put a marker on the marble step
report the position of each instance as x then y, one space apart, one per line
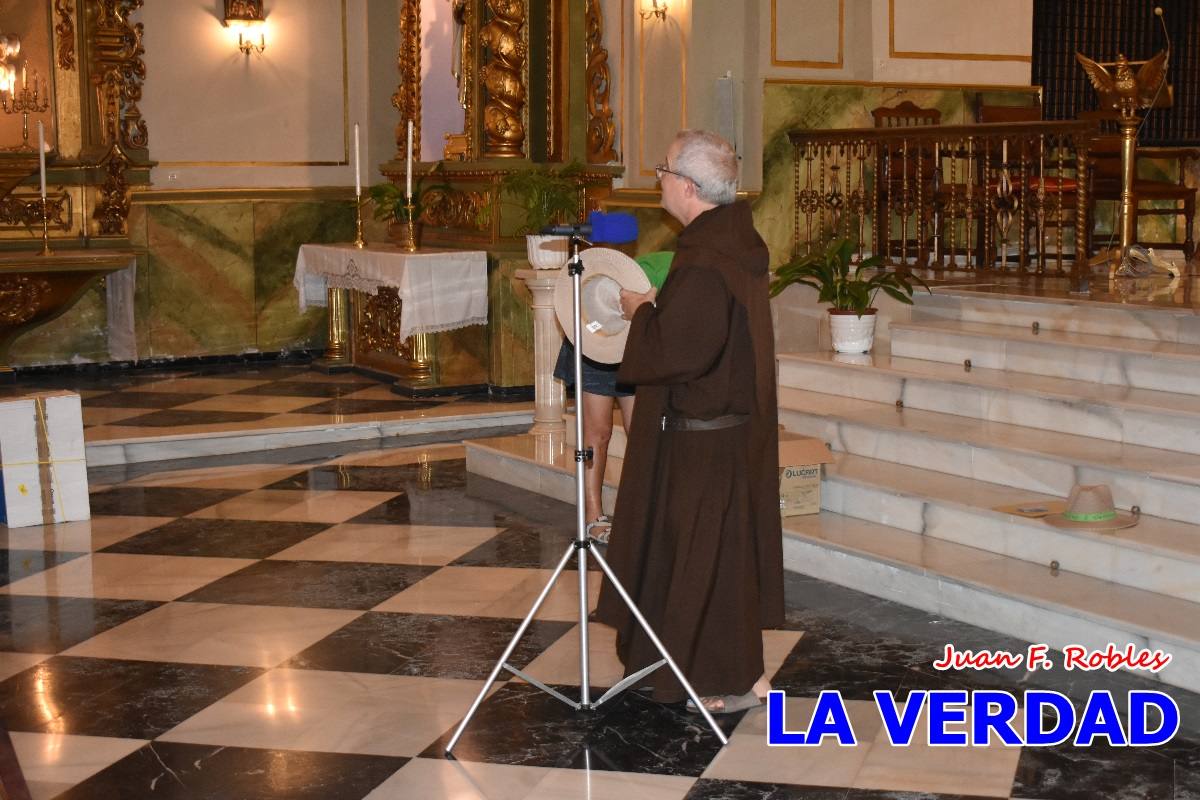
1118 361
1158 555
1063 313
995 592
1165 420
169 447
538 462
1163 483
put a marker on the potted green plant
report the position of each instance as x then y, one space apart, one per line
850 292
391 204
546 196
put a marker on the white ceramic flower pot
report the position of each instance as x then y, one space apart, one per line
851 333
547 252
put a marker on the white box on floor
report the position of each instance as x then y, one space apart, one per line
43 471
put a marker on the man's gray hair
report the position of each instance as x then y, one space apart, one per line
709 162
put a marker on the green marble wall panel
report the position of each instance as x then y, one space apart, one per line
510 323
279 230
200 282
213 278
79 335
139 240
657 230
1162 228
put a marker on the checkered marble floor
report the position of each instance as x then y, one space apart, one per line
134 404
316 628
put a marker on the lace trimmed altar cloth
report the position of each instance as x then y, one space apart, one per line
439 291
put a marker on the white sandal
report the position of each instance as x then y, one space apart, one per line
603 521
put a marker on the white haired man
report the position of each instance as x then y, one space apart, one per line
697 535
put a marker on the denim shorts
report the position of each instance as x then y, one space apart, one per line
598 378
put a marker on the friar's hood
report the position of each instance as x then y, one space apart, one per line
729 230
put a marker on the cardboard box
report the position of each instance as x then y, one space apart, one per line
800 460
43 473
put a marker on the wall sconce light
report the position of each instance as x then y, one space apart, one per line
247 17
657 8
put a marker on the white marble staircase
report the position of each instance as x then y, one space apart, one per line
927 448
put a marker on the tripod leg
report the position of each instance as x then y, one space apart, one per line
633 609
585 697
512 645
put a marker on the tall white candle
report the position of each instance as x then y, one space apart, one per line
1004 150
42 157
357 168
408 172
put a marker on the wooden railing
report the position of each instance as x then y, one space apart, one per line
949 197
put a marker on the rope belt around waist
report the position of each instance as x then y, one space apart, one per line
670 423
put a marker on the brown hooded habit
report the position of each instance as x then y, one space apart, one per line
696 534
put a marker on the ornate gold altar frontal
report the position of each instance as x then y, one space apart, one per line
97 139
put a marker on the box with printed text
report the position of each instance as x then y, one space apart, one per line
800 460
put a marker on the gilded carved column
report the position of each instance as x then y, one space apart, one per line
117 75
65 33
601 131
502 36
407 99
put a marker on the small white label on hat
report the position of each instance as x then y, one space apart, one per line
594 326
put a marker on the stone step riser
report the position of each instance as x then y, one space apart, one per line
1035 542
977 606
1078 417
1105 320
543 480
1156 497
1134 370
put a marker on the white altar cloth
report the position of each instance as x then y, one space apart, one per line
439 291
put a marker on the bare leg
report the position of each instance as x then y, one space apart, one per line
626 404
597 432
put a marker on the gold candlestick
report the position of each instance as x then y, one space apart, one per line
410 234
26 101
359 242
45 228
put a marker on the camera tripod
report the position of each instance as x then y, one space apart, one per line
582 548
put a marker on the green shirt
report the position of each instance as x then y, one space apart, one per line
656 266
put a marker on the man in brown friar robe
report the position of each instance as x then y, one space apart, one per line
696 534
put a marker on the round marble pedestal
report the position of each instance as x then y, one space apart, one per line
548 392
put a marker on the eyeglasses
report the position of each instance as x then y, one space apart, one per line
659 169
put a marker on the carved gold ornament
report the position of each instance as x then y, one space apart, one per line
27 213
20 297
120 72
502 37
1123 89
112 209
407 99
379 324
65 33
455 208
601 130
